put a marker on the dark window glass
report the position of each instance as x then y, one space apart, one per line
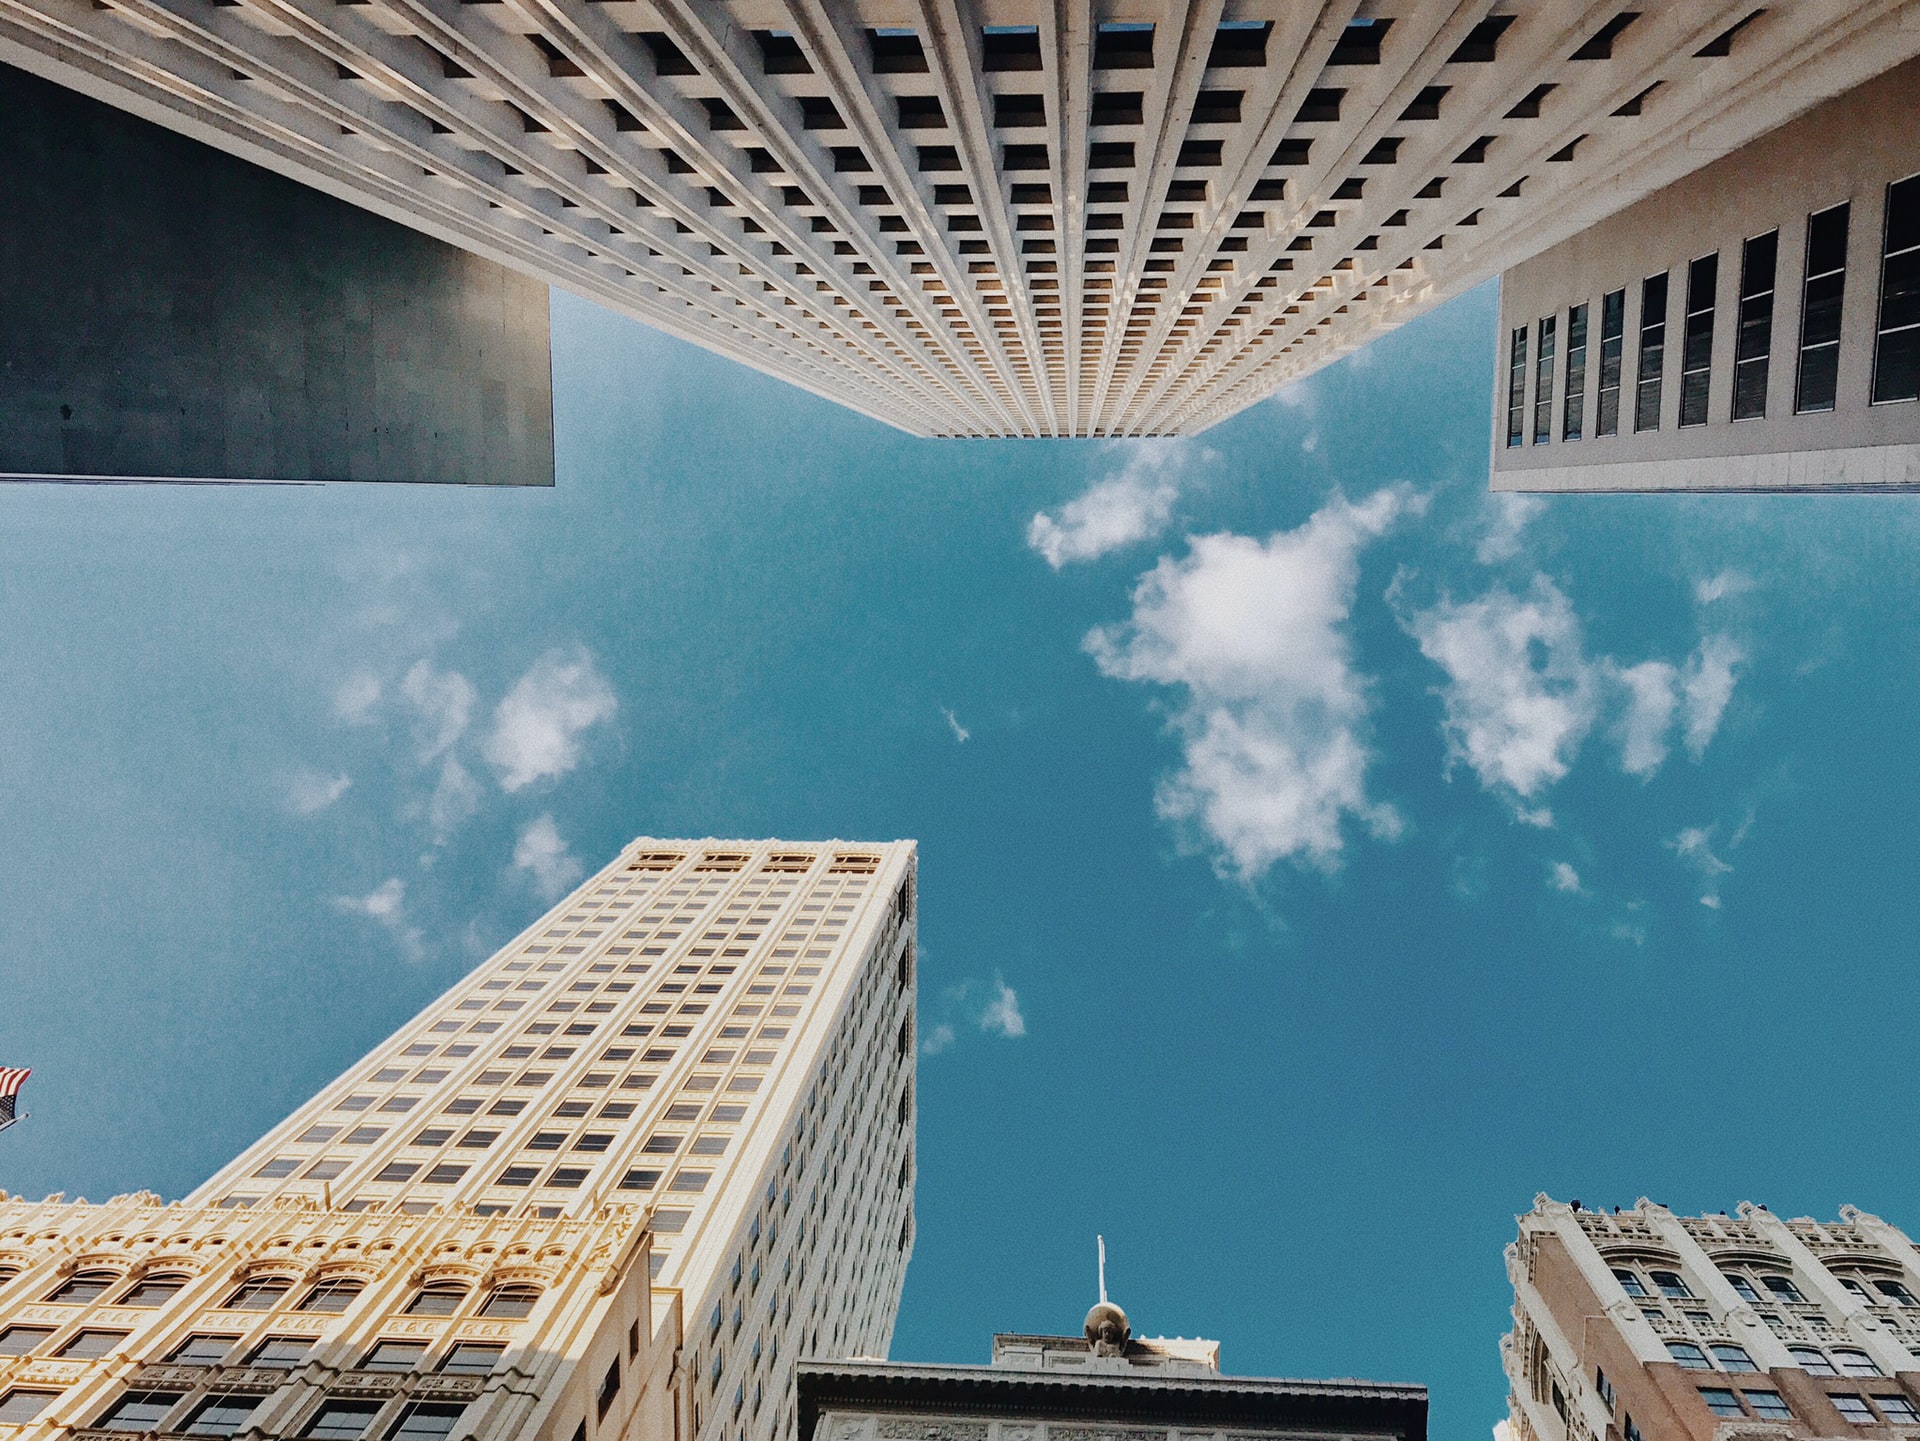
1768 1406
261 1293
1119 45
1573 412
222 1416
1897 1409
22 1340
1689 1355
1646 395
1733 1358
20 1406
139 1411
1812 1360
394 1356
1696 343
280 1351
1782 1287
1517 387
472 1358
510 1302
1755 341
1896 349
425 1421
1543 382
1820 306
332 1297
1630 1283
202 1350
86 1345
1670 1284
343 1420
439 1299
1720 1401
1852 1408
84 1286
1613 330
152 1291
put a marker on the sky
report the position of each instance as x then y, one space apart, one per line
1319 855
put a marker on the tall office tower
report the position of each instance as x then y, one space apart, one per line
612 1184
1103 1385
995 218
1642 1325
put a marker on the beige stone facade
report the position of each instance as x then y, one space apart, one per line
612 1184
1642 1325
986 217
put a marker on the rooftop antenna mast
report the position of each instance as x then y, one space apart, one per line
1101 1241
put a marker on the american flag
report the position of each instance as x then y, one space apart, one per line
11 1079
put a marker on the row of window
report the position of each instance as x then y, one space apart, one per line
1749 1285
229 1414
468 1358
1771 1406
1896 357
264 1293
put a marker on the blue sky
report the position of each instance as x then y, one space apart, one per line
1318 856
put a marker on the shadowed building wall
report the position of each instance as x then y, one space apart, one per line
168 311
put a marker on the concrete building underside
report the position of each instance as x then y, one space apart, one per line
996 218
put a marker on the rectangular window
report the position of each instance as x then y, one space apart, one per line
1543 382
1653 352
394 1356
1820 306
1897 1409
425 1421
281 1351
1853 1408
1755 340
343 1420
1517 388
1896 348
222 1416
201 1351
21 1340
18 1407
1696 341
1721 1401
1573 412
1613 330
472 1358
141 1411
1768 1406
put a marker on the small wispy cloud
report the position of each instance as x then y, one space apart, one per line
386 905
310 792
355 697
441 703
1563 877
1720 587
538 727
938 1038
455 800
992 1009
1706 688
1131 505
1002 1014
960 733
1694 846
1511 515
544 856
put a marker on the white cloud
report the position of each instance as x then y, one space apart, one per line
356 696
1002 1015
938 1039
386 904
1520 694
442 703
545 858
1706 689
1563 877
1694 846
537 728
1719 587
1511 515
309 792
1131 505
1652 700
455 799
960 733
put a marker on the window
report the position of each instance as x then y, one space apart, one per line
1122 46
1517 387
1696 340
86 1345
394 1356
1768 1406
280 1351
1743 1286
1573 412
138 1411
259 1293
1896 350
1812 1360
1721 1401
609 1389
437 1298
278 1167
472 1358
1732 1358
1783 1288
1897 1409
343 1420
21 1406
425 1421
1896 1293
510 1302
1755 338
1613 326
1630 1431
333 1296
1543 383
221 1415
200 1350
1854 1363
1630 1282
1820 306
1646 416
1852 1408
1605 1389
1690 1356
22 1340
84 1286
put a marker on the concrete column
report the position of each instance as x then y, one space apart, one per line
1769 1352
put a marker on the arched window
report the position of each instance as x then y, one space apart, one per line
1812 1360
1854 1363
1782 1288
1630 1282
438 1298
1689 1355
1733 1358
1670 1284
510 1302
84 1286
332 1296
1743 1284
1895 1292
259 1293
152 1290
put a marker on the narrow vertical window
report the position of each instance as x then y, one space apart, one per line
1896 348
1573 412
1696 340
1820 310
1613 332
1755 340
1543 382
1517 388
1653 352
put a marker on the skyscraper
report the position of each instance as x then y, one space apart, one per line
1120 217
613 1183
1642 1325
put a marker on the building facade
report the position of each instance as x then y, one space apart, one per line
1103 1385
986 217
612 1184
1642 1325
1754 326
